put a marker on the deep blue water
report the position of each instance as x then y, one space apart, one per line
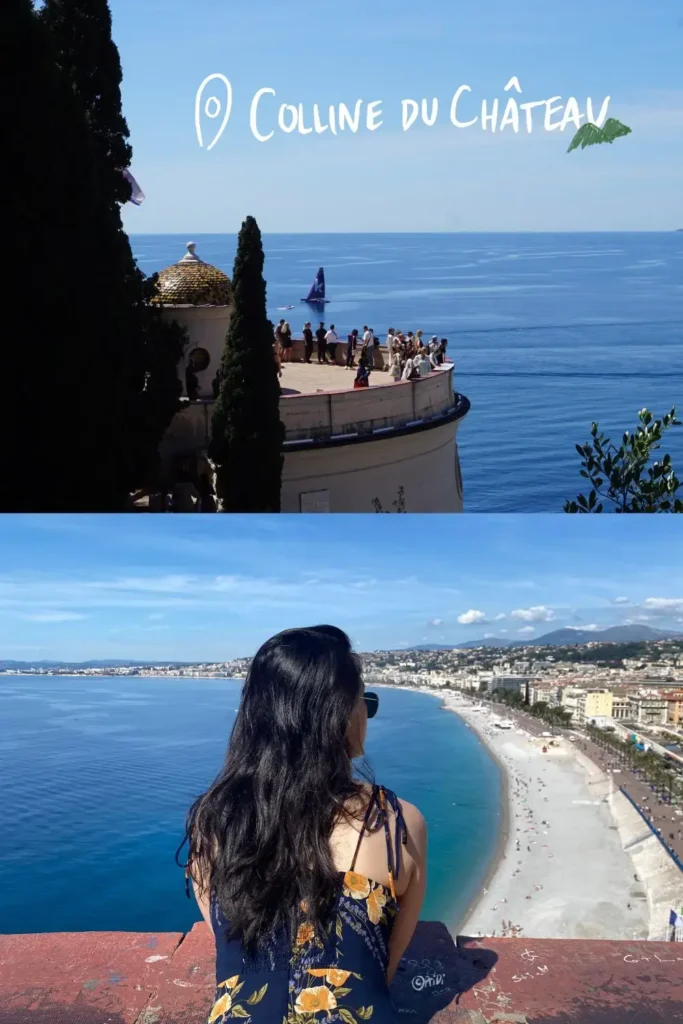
548 332
97 774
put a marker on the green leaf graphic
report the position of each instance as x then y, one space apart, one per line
591 135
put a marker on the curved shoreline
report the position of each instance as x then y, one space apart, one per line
571 860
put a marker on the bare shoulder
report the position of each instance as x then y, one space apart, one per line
414 819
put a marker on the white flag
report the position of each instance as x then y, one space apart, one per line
137 195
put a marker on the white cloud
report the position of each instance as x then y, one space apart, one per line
470 617
435 622
498 618
539 613
620 600
664 605
526 629
489 636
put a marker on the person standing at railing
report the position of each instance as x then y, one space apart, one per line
331 342
308 342
320 335
351 346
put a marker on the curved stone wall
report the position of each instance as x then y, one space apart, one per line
335 413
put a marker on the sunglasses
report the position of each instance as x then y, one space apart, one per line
371 703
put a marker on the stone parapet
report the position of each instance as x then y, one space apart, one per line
168 978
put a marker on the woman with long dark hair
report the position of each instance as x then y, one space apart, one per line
310 878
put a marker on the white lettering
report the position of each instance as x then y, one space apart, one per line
294 114
372 123
345 116
549 111
511 115
602 116
454 109
492 117
253 114
528 107
408 115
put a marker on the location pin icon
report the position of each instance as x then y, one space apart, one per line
212 107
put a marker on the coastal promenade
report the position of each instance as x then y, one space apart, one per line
574 859
168 978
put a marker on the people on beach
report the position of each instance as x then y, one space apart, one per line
293 860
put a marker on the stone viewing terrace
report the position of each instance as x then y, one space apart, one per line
168 978
320 403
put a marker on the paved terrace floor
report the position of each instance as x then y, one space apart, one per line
307 378
167 978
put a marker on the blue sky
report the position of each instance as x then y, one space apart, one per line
428 179
211 587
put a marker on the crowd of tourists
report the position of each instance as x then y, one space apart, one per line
410 355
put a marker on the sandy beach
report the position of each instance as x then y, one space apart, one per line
573 860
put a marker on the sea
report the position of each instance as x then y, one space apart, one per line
548 332
98 773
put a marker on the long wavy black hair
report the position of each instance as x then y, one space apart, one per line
259 837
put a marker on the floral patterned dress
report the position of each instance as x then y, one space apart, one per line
341 980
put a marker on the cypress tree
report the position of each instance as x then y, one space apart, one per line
137 352
247 433
50 277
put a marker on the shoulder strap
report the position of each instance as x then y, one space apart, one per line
386 797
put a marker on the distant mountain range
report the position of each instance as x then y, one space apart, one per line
565 638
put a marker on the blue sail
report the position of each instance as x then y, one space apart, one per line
317 292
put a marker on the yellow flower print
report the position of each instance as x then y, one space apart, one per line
336 977
230 983
331 974
304 934
223 1005
356 885
376 902
311 1000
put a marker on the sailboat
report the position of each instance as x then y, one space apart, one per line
316 296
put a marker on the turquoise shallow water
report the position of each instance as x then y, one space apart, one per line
97 774
548 332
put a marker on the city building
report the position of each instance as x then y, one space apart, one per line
674 704
648 709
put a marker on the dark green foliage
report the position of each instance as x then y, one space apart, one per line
52 280
653 767
622 476
590 135
133 389
247 433
87 55
553 715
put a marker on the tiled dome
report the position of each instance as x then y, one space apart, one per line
191 282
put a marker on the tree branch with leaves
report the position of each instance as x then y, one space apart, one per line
623 477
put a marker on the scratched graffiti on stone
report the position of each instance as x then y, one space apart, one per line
630 959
